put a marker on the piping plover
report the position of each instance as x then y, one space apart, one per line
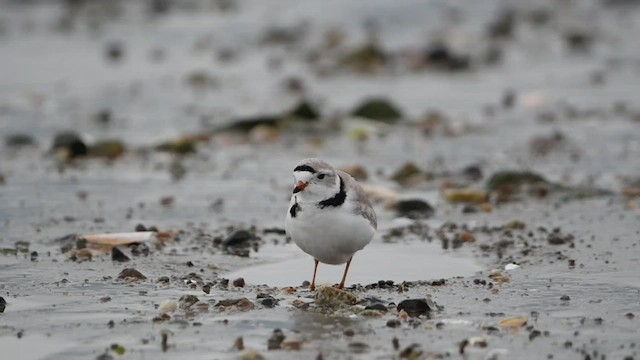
329 216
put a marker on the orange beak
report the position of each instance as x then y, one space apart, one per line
300 186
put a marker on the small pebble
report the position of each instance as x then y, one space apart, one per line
393 323
239 344
131 273
239 282
414 307
396 343
275 340
268 302
118 255
377 306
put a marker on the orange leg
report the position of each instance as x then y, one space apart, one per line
344 277
313 281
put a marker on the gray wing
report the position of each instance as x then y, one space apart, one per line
359 197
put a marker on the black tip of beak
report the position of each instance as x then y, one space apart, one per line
296 190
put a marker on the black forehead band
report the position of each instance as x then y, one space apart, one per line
305 168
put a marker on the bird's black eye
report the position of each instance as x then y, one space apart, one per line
321 176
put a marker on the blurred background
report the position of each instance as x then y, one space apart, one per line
165 99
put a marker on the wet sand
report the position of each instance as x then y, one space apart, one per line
539 269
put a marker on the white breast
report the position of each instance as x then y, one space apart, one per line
332 234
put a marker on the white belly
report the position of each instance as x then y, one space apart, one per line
330 235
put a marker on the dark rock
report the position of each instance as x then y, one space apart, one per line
557 238
19 140
469 209
34 256
138 249
415 307
414 209
3 304
378 109
274 230
239 282
275 340
269 302
534 334
412 351
164 280
140 227
81 243
472 172
206 288
131 273
305 111
377 306
240 238
627 315
117 255
239 243
393 323
70 144
565 298
66 242
187 301
511 178
440 56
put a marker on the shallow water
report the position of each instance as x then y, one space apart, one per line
377 261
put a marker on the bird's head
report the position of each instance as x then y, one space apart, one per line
314 181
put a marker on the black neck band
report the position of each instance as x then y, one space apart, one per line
337 200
